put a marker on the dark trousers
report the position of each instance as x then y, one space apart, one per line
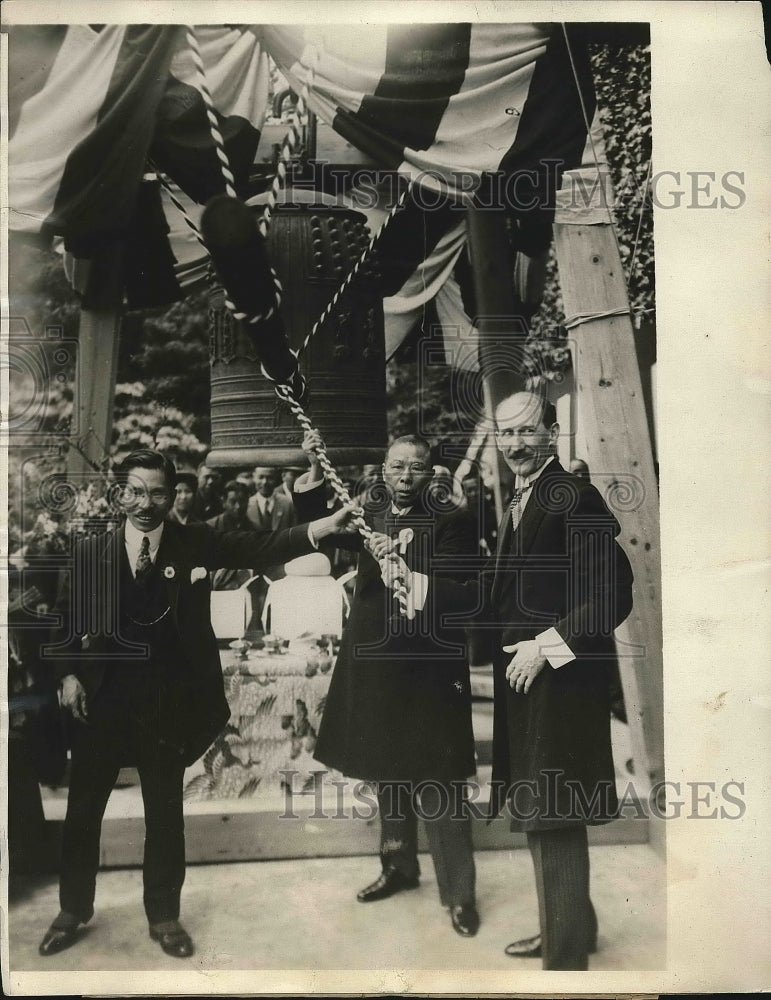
567 917
122 728
448 829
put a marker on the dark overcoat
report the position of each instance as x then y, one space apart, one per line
399 702
89 640
562 567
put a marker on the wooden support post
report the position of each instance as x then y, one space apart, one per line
611 412
98 339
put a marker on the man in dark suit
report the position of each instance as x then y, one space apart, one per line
558 586
398 711
268 510
141 675
269 507
235 500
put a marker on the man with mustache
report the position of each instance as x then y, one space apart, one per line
141 676
557 587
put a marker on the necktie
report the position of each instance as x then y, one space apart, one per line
516 506
144 562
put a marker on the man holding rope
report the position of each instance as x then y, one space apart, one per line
558 586
141 677
398 711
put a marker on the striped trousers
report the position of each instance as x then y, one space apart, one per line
567 917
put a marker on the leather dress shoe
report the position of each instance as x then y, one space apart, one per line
173 938
390 882
526 948
56 939
531 948
465 919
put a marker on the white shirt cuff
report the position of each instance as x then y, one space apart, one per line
554 648
311 536
419 591
302 483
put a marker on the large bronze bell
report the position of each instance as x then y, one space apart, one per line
312 248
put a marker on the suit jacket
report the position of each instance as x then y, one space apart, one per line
89 638
281 516
562 567
399 703
173 516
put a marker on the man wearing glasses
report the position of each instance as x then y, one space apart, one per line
398 710
141 676
556 589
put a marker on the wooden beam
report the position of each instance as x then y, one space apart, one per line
614 426
98 340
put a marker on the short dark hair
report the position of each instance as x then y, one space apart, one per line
146 458
234 486
414 440
189 479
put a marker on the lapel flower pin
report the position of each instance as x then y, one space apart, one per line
169 572
198 573
405 537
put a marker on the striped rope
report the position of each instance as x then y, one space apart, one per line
211 113
166 182
358 265
291 139
640 219
227 176
285 392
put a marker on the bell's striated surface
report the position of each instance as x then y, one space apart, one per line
312 248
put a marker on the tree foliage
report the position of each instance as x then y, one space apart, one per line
168 352
622 80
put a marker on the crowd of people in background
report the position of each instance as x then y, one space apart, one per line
251 509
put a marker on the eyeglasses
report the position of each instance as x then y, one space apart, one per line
416 468
134 495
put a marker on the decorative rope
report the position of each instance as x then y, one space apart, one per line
166 182
358 265
292 137
640 218
580 318
285 392
211 113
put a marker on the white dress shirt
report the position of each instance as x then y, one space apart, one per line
134 542
264 503
553 646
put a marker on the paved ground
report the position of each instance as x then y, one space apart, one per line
302 914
